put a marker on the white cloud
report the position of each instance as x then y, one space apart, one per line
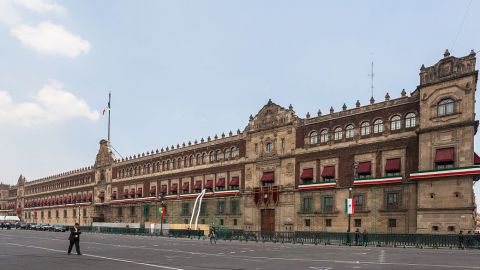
52 104
49 38
8 13
41 6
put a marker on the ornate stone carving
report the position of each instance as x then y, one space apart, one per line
447 68
289 169
271 116
105 156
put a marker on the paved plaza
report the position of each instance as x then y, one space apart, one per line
47 250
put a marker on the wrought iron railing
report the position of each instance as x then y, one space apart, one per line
312 237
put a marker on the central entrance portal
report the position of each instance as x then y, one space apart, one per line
268 220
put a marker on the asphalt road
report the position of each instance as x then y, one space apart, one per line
47 250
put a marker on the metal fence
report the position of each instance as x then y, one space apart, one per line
315 238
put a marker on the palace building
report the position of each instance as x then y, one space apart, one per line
408 163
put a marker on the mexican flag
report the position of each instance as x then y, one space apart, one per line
349 206
107 108
161 211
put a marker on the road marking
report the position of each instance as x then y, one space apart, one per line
241 257
381 257
302 259
101 257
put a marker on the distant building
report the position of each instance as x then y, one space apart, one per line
408 163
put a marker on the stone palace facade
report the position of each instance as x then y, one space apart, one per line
408 163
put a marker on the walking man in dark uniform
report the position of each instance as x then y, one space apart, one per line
74 239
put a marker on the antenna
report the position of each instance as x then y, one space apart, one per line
371 75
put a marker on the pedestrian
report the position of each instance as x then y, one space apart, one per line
357 236
365 237
213 236
460 240
74 239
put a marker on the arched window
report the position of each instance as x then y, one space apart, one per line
269 147
365 128
349 132
164 165
313 137
174 166
179 163
410 120
228 153
395 123
234 152
218 155
378 126
199 159
338 134
445 107
169 164
324 136
190 163
185 162
212 156
204 158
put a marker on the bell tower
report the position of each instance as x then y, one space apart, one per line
103 177
446 132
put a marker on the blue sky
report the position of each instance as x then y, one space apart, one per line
183 70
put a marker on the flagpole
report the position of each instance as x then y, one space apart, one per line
109 99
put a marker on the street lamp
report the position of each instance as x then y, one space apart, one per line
354 173
162 204
349 215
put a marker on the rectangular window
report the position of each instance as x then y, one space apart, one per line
146 212
393 167
132 210
220 207
57 214
364 169
444 158
84 212
74 213
307 222
358 222
328 222
307 205
393 200
49 214
234 207
119 211
203 209
41 214
392 223
358 202
185 208
65 215
234 222
221 222
327 204
328 173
